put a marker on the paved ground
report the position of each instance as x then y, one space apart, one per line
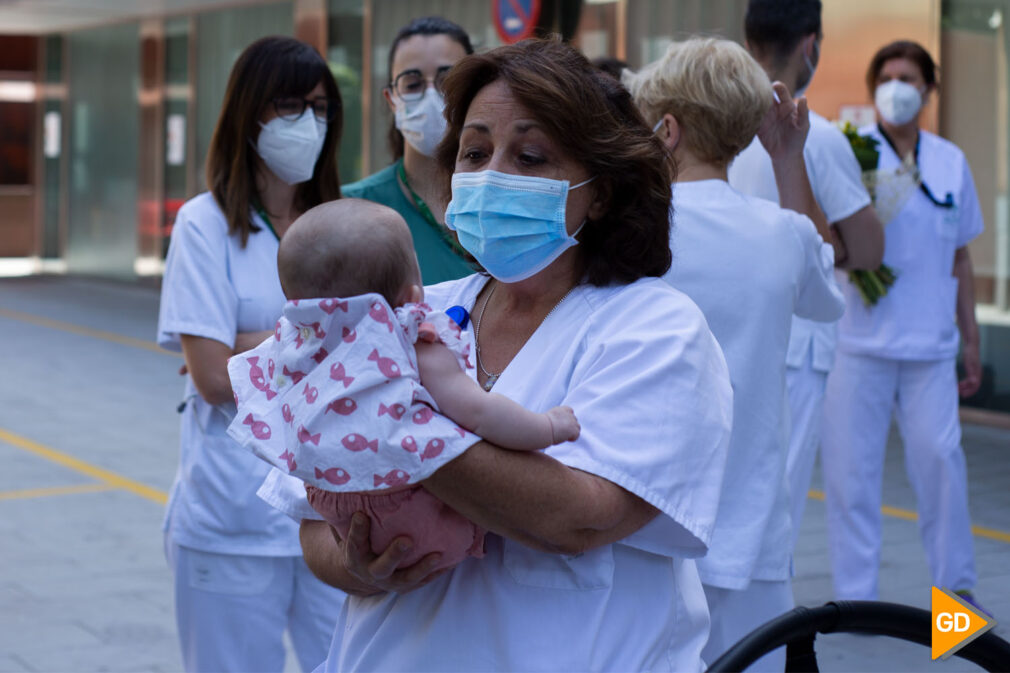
88 444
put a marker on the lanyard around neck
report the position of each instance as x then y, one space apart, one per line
263 215
426 213
948 201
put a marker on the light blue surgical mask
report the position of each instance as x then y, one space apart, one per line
514 225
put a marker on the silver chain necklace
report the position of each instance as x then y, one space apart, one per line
493 378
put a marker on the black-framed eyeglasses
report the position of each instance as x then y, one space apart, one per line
409 85
290 108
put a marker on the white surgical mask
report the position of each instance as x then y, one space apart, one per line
290 148
812 67
421 122
897 102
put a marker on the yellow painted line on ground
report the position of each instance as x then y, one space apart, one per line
107 477
908 515
55 490
84 331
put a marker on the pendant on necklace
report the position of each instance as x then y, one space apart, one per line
489 383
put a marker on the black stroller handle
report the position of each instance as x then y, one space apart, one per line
798 628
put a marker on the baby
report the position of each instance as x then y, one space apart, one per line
345 394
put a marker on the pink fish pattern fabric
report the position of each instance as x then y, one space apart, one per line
395 410
259 429
256 378
338 373
392 478
342 407
335 475
433 449
328 306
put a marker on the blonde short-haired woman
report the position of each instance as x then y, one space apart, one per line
717 94
749 265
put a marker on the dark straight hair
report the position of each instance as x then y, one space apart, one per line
425 25
269 68
775 27
913 51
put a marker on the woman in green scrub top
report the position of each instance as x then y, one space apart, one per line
421 55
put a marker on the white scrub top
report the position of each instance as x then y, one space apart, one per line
750 265
649 385
214 288
915 320
836 180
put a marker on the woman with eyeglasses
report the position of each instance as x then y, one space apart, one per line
897 357
420 57
240 580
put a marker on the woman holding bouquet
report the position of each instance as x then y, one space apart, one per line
898 356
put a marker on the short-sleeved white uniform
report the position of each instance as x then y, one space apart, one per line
649 385
214 288
750 265
836 180
239 575
898 358
915 319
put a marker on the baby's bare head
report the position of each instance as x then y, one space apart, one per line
345 248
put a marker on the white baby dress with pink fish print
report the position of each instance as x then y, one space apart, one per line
334 397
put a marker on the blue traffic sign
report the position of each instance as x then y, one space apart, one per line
515 19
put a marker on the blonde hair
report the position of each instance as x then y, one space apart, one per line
715 89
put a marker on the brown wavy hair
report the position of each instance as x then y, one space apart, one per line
591 116
269 68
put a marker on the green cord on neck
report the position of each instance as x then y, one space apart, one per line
427 215
263 215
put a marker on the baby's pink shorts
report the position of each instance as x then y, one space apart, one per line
414 512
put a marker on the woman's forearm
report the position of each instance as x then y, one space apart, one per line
246 341
965 274
322 555
207 363
538 501
861 239
796 194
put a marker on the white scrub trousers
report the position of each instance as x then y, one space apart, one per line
805 386
862 392
232 611
737 612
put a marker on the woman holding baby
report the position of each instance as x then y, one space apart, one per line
560 192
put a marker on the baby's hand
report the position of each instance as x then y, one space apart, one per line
564 425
